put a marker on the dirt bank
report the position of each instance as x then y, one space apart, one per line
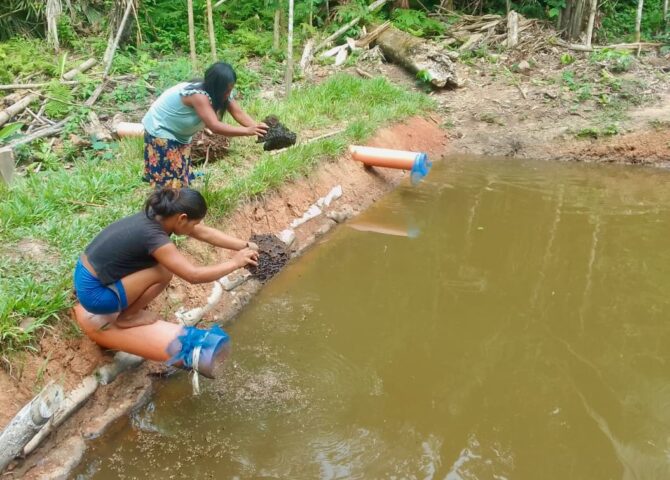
553 111
65 357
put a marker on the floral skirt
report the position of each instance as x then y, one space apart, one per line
167 162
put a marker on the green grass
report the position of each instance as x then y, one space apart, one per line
65 209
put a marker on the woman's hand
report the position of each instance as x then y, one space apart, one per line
245 257
259 129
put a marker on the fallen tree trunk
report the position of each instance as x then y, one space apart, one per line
18 107
371 8
418 55
41 133
81 68
71 403
28 86
28 422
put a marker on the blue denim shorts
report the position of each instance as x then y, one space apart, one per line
96 297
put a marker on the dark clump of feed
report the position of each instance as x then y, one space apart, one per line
272 256
278 135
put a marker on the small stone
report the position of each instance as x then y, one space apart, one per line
26 323
523 66
325 228
287 236
341 215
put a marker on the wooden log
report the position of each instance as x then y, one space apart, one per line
7 165
42 132
341 56
28 86
418 55
373 6
18 107
512 29
80 69
70 404
306 58
617 46
372 36
28 422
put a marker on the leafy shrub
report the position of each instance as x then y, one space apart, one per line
416 22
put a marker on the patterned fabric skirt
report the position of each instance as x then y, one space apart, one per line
166 162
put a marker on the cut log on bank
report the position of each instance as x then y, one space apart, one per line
417 55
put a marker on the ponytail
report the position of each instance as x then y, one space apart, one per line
171 201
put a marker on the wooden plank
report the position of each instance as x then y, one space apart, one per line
7 165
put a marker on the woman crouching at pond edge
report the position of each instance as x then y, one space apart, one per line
182 111
132 260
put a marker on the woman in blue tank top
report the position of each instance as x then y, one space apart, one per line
183 110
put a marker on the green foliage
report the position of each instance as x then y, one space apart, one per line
567 59
21 17
616 61
416 22
554 7
618 20
256 42
60 100
597 132
9 132
22 57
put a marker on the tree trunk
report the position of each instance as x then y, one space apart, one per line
289 53
665 15
28 422
418 55
512 29
592 19
54 9
572 19
638 20
210 29
191 36
277 26
117 38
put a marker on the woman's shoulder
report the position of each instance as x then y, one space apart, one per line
187 89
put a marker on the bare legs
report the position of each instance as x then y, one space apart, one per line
141 288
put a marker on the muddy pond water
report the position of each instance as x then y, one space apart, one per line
502 320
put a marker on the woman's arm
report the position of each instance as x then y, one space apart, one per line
241 116
203 108
177 263
219 239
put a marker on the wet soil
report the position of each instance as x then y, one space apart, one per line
272 256
278 135
209 147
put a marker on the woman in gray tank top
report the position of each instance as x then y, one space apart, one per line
133 260
182 111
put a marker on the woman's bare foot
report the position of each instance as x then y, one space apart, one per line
140 318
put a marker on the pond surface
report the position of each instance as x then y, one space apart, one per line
502 320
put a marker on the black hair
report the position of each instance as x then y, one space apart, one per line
170 201
218 79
